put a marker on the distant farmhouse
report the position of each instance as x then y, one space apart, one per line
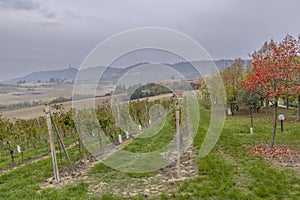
195 83
178 93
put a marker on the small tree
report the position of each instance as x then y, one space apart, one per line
273 69
231 78
251 100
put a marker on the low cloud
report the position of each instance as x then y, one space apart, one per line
49 14
19 5
29 5
70 14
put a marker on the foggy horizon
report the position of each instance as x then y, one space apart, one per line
51 35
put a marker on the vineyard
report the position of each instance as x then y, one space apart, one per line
26 140
155 147
224 172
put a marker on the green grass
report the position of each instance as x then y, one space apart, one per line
228 172
31 153
157 141
23 182
127 159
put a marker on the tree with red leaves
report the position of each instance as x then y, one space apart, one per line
296 78
273 73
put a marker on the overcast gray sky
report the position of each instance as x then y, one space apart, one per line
51 34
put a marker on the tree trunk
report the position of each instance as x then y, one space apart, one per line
274 126
267 106
35 149
231 108
22 154
251 117
12 156
299 107
287 103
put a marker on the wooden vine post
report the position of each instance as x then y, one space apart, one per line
52 146
178 142
62 144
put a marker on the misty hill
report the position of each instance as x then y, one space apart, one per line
45 76
112 74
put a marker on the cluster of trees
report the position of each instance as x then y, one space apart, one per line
231 77
21 82
142 91
55 80
273 74
154 89
60 99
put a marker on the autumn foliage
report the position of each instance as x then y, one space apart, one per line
274 69
279 153
275 73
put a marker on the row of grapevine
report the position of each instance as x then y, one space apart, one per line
23 140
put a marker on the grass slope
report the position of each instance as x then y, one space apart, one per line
228 172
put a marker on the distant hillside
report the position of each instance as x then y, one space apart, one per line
111 74
45 76
188 71
222 64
